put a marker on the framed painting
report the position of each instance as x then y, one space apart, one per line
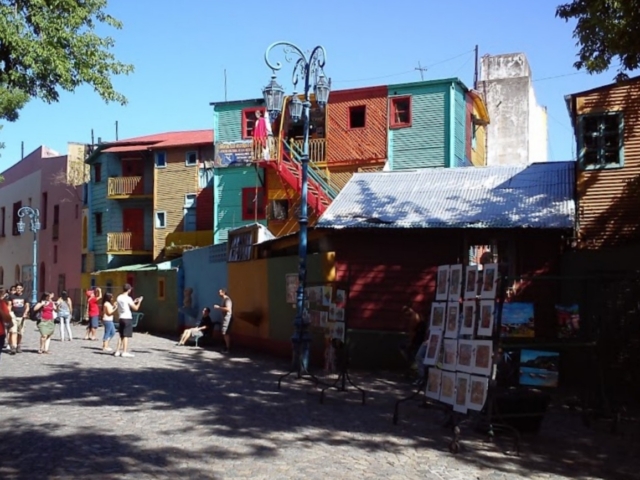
438 310
465 356
450 356
433 383
442 283
455 283
453 320
487 315
447 387
468 317
433 347
462 393
489 281
483 357
539 368
471 282
478 387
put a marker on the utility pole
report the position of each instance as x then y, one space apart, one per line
421 69
475 69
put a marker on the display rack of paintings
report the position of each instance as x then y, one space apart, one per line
442 283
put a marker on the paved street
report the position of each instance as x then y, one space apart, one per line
176 412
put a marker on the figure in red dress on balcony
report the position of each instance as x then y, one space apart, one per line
262 136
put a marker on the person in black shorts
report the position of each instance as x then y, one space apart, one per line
227 316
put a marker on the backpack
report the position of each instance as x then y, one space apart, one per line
35 315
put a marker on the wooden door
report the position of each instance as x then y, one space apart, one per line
134 168
133 222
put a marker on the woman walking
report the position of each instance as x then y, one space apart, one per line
47 309
108 309
65 308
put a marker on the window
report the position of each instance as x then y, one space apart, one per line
190 200
160 159
249 121
279 210
77 211
55 254
85 235
400 112
98 219
56 221
161 219
357 116
601 141
45 208
161 289
253 204
97 173
3 212
191 158
16 206
1 276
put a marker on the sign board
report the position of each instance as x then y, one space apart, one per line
233 154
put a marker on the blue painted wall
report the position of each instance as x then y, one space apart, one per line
205 271
436 137
227 209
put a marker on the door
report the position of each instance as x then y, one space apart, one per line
134 168
133 223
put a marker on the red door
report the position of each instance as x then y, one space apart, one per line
134 168
133 222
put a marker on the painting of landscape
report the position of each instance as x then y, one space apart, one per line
517 320
539 368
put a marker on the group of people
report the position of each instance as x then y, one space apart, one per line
15 310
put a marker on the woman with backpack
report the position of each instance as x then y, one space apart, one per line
46 310
65 308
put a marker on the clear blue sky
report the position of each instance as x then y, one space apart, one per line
180 50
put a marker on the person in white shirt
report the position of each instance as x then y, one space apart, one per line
125 305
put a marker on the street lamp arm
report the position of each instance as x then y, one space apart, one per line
34 213
288 48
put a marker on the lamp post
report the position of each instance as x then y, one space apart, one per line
309 69
34 226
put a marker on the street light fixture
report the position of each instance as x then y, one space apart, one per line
34 226
309 69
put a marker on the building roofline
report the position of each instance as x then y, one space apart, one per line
602 88
237 102
424 83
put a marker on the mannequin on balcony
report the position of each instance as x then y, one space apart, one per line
262 137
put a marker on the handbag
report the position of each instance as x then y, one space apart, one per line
56 320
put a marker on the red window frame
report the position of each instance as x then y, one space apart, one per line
249 118
364 113
248 195
393 110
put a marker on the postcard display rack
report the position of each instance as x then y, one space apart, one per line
460 349
325 309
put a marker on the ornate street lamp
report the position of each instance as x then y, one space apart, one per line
310 70
34 226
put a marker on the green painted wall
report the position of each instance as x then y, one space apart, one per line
160 316
460 125
227 210
227 119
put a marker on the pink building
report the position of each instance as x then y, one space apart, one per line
51 183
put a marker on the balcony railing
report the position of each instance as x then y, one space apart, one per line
264 151
125 187
125 242
317 148
177 243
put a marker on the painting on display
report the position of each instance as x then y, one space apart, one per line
448 387
568 317
468 317
489 281
450 355
324 319
453 318
341 298
487 314
314 296
483 357
339 314
471 282
539 368
337 330
438 311
442 283
455 283
462 392
291 283
433 383
478 387
465 356
433 347
326 296
518 320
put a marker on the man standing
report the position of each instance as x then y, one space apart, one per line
227 310
125 304
19 306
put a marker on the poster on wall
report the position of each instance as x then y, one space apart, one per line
489 281
487 314
462 392
442 283
468 317
291 283
471 282
453 318
455 283
433 383
232 154
477 392
438 310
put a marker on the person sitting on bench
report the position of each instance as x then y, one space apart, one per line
206 324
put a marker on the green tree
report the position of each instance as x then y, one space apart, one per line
607 33
51 45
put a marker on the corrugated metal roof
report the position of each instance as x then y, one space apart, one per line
142 267
539 195
161 140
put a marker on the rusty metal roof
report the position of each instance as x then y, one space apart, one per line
538 195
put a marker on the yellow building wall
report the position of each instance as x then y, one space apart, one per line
248 288
115 279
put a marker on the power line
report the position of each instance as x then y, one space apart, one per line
556 76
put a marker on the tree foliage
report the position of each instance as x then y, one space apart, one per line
607 33
51 45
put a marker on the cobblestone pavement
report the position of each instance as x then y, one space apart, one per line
181 412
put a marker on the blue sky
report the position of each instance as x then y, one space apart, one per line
181 49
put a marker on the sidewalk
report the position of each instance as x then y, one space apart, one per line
181 412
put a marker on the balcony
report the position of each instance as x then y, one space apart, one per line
176 243
126 243
126 187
